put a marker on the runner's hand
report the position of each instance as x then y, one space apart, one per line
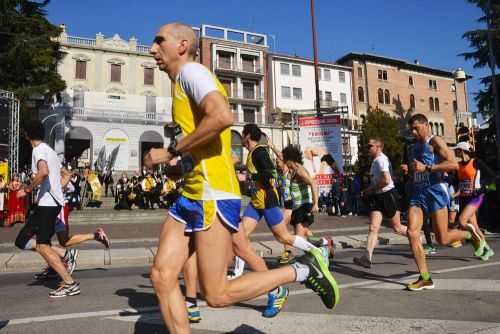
418 166
156 156
315 208
404 168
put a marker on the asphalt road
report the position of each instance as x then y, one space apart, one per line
121 300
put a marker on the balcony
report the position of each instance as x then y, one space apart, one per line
109 115
250 98
224 66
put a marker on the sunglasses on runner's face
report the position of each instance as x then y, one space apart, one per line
371 145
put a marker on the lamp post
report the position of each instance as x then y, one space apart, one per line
459 76
315 51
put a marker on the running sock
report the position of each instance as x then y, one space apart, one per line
468 235
190 302
302 244
426 276
301 271
239 265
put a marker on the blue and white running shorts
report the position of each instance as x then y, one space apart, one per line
430 199
273 216
199 215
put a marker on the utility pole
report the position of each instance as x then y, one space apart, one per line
315 50
489 20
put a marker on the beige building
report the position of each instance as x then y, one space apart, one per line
115 96
403 88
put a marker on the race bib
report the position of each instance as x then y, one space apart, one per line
421 179
466 187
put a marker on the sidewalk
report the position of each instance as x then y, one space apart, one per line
23 261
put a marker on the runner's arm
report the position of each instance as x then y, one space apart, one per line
448 162
383 182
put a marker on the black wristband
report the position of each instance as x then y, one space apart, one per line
171 149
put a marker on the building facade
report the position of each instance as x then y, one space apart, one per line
115 97
293 89
402 89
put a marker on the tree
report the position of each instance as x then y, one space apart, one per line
29 53
380 124
478 41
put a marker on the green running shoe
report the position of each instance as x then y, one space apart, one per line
320 280
488 252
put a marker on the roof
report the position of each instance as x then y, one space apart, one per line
395 62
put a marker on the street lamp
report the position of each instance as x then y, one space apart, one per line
459 76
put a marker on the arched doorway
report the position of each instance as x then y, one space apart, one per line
78 147
116 144
147 141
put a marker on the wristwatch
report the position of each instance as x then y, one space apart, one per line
428 168
172 150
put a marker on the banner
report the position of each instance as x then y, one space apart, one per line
319 136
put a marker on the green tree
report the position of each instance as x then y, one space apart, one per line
28 52
478 41
379 124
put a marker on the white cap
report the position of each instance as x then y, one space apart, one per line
463 145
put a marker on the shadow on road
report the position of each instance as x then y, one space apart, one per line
245 329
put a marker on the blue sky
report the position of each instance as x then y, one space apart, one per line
427 30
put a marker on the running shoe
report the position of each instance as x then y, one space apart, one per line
326 240
70 259
320 280
420 284
275 302
488 252
363 261
456 244
477 242
194 314
47 273
285 257
430 250
100 236
65 290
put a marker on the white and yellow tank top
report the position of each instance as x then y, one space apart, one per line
213 176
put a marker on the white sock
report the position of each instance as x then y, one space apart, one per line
275 291
239 266
301 271
302 244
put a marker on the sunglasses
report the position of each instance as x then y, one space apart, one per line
371 145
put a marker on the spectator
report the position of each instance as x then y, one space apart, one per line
16 206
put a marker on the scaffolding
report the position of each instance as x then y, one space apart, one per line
13 108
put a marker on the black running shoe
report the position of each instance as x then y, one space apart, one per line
65 290
320 280
47 273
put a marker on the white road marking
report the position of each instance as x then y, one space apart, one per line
479 285
246 321
127 312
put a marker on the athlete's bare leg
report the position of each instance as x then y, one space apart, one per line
468 216
242 247
371 241
396 224
415 222
444 235
190 273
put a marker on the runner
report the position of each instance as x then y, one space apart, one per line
209 205
47 169
430 157
472 174
382 199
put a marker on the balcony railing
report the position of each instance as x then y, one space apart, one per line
117 115
143 48
225 65
247 96
81 41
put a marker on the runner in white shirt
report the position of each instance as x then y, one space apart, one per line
382 199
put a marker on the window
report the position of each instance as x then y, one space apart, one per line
431 104
455 106
296 72
297 93
382 75
227 83
380 96
248 90
249 115
341 76
284 69
412 101
285 92
360 72
224 59
433 84
151 105
78 99
410 81
328 96
431 125
361 94
343 98
436 104
81 69
116 73
148 76
387 97
327 76
248 63
442 129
